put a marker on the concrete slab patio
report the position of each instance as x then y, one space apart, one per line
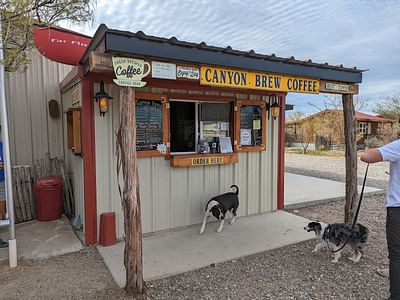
303 190
176 251
40 240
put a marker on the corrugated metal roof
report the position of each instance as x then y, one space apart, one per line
117 41
251 53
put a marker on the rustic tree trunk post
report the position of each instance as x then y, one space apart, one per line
351 156
127 160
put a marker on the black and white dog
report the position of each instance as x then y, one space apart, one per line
219 205
335 235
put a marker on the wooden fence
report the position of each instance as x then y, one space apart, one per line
24 205
23 179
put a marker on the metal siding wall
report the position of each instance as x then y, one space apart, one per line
106 173
52 92
32 131
74 162
19 119
161 201
146 192
174 197
38 109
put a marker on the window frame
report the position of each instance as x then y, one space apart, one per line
198 99
263 145
165 123
363 129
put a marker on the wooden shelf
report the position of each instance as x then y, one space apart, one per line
199 160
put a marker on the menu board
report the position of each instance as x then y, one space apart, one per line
250 122
149 130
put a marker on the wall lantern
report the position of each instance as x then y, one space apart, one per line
102 98
274 108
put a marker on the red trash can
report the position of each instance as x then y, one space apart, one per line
48 193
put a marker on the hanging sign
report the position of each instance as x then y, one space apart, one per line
260 81
130 71
188 73
204 161
337 86
163 70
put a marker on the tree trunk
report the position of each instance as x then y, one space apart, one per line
127 160
351 156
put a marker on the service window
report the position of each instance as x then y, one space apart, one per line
197 127
251 135
151 131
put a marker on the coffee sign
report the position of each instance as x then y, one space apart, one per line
130 71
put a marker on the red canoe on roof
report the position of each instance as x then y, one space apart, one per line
60 45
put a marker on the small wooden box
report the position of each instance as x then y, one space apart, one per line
74 130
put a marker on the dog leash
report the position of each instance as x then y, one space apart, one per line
357 211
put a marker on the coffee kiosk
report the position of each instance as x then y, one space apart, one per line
206 118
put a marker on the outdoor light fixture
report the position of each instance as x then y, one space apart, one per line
274 108
102 98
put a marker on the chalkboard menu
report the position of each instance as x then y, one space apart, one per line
250 121
149 130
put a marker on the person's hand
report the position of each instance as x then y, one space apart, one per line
371 156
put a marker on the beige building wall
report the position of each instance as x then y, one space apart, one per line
74 162
32 131
175 197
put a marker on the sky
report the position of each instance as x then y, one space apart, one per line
361 33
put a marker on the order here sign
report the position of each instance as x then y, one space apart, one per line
260 81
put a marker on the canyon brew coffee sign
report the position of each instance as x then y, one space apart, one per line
130 71
254 80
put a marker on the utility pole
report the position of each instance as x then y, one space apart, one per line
12 242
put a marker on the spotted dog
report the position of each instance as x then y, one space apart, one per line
219 205
335 235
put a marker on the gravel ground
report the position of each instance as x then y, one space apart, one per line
291 272
80 275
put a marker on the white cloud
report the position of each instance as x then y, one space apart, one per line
353 33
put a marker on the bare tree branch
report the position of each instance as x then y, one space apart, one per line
19 16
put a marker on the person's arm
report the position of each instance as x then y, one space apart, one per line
371 156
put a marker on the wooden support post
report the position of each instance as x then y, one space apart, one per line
281 154
127 161
89 163
351 156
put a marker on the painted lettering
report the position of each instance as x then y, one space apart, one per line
129 72
277 82
223 76
244 79
264 81
257 83
270 82
236 78
215 77
230 77
208 71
